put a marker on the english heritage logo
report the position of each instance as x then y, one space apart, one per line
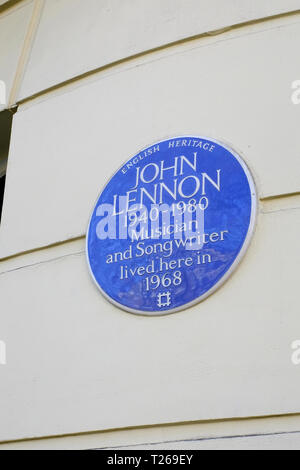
171 225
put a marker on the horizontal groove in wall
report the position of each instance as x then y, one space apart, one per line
128 59
191 430
10 4
268 205
184 442
43 248
280 196
280 203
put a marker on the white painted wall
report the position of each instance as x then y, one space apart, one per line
231 87
101 32
86 365
75 362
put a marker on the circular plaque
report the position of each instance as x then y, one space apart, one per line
171 225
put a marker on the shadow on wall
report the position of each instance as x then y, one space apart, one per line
5 132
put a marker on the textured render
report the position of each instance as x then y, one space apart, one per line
86 365
92 33
232 88
13 28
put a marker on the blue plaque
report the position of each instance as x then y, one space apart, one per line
171 225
